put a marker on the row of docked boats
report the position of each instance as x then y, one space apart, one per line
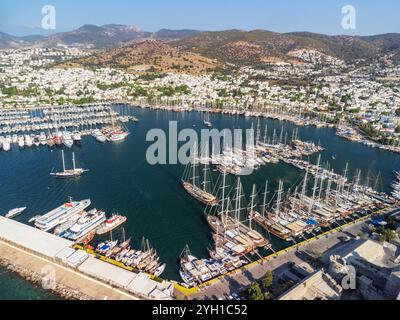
232 227
353 135
71 220
316 170
66 138
396 186
293 216
297 115
31 140
194 271
237 161
298 214
46 119
61 126
233 235
145 259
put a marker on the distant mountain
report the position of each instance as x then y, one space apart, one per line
386 42
150 54
8 41
254 47
259 46
94 37
171 35
235 46
31 38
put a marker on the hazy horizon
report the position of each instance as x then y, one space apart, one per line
22 18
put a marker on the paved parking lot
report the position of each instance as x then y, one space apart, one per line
279 264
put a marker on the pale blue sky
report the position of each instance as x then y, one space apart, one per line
22 17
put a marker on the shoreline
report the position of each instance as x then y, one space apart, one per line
296 120
69 284
63 292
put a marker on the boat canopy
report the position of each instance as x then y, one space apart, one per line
312 222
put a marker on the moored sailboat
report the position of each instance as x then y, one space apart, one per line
190 184
69 173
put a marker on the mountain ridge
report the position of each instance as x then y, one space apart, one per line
254 47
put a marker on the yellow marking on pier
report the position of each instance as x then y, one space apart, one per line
190 291
185 291
276 254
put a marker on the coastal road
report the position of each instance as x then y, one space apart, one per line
279 264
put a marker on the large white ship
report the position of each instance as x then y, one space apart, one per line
87 223
61 214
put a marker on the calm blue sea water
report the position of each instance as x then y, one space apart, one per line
120 180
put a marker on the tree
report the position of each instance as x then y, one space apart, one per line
255 292
387 235
267 279
362 235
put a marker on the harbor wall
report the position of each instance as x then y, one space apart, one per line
68 283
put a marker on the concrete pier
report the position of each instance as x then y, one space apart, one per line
46 257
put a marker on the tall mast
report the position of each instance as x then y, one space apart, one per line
237 211
303 191
223 192
73 160
320 188
265 133
315 184
296 194
346 170
274 137
253 195
328 189
265 199
63 161
279 200
205 182
194 166
338 191
358 180
316 176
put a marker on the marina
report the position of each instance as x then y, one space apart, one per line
62 125
118 185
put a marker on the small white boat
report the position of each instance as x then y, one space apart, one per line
43 139
31 220
100 137
67 140
21 142
208 124
6 146
77 136
160 270
14 212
